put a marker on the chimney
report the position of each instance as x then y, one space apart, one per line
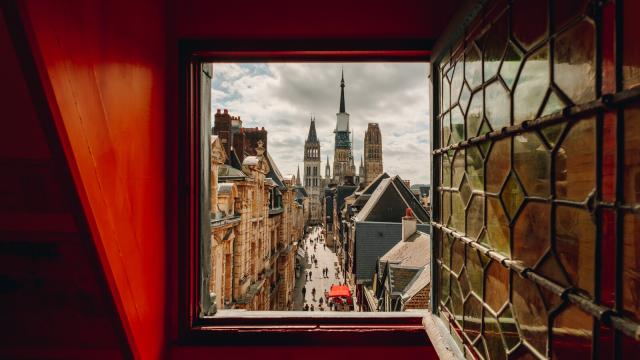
409 224
226 111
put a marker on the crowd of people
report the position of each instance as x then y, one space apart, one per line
318 255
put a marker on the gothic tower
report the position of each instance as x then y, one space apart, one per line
327 170
312 175
342 156
372 153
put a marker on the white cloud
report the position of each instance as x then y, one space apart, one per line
282 96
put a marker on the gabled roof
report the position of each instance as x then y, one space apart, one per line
374 184
234 160
393 196
342 192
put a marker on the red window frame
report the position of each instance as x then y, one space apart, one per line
272 327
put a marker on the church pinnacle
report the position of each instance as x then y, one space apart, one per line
342 107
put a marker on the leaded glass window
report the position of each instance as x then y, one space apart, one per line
536 211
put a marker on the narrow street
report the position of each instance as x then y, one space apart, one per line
315 247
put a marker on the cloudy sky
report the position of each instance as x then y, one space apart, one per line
282 97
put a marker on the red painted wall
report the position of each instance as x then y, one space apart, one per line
106 63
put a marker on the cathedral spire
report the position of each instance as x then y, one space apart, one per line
298 176
342 107
312 137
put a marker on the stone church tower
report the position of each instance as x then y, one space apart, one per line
312 175
372 153
342 156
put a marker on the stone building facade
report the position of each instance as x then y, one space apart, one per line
257 217
372 153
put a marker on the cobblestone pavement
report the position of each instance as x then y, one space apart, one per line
326 258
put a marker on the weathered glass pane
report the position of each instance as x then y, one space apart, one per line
458 168
631 265
497 226
494 45
446 94
475 168
532 162
445 120
474 268
446 169
575 245
457 256
530 313
531 233
550 268
465 191
553 104
512 195
464 283
572 331
575 174
457 214
574 62
446 207
631 45
446 250
464 98
493 338
456 82
509 329
481 349
456 301
552 133
529 21
510 65
498 164
497 105
632 155
457 125
497 290
532 86
475 216
473 66
472 317
474 115
445 277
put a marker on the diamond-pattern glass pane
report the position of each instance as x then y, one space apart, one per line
512 195
456 83
576 245
498 164
510 65
497 225
531 313
497 290
457 125
474 114
475 216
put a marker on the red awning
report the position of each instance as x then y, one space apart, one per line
339 291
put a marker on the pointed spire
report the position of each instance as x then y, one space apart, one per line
342 107
298 176
312 137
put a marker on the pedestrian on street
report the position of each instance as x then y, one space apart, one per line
306 307
304 291
312 309
321 301
313 293
310 274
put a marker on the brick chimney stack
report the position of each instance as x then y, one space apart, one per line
409 224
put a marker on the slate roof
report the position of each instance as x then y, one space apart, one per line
274 172
400 277
374 240
234 160
227 172
374 184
